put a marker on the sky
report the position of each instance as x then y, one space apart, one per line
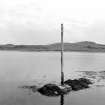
38 21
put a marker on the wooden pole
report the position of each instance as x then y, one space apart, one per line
62 63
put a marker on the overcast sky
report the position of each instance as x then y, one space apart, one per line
38 21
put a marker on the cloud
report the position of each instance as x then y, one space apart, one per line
96 32
38 21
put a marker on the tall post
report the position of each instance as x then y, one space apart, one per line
62 48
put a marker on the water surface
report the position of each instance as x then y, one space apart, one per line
20 68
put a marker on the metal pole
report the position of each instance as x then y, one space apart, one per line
62 48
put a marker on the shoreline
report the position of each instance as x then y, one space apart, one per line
54 51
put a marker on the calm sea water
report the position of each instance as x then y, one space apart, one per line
19 68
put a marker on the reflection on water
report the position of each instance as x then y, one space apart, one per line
62 100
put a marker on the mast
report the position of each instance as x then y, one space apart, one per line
62 63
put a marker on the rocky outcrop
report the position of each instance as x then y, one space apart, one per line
78 84
54 90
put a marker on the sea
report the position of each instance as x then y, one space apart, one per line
18 69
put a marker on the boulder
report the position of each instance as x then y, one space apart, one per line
78 84
85 80
54 90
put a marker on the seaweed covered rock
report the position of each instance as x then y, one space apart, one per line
84 80
78 84
54 90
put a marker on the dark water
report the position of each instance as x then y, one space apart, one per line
28 68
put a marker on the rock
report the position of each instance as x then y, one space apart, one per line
49 90
84 80
78 84
54 90
65 88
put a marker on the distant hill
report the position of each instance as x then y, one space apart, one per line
85 46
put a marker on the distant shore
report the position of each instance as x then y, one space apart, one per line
84 46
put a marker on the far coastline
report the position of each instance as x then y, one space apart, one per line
84 46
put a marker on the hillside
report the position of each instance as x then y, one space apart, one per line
86 46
